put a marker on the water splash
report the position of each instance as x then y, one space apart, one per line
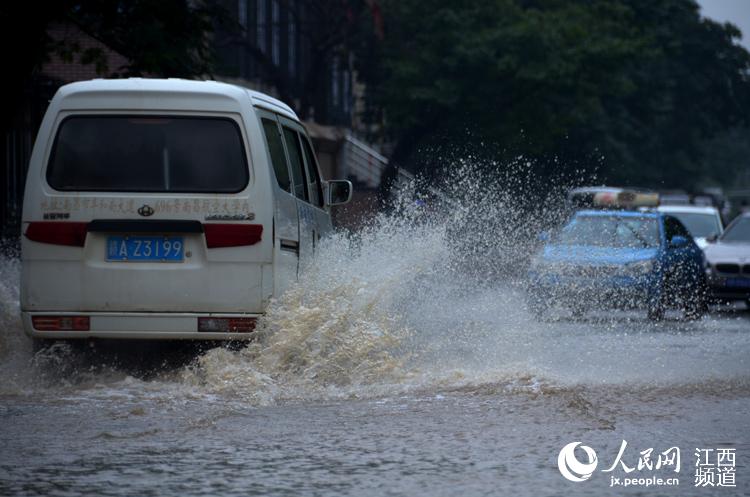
426 297
341 327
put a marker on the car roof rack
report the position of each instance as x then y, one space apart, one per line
625 199
609 197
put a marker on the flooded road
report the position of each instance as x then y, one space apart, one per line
484 410
385 371
479 440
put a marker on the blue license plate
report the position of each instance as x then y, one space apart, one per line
145 248
738 282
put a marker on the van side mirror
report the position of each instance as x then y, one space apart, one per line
678 241
712 238
339 192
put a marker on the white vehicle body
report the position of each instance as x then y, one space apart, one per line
155 209
728 258
690 214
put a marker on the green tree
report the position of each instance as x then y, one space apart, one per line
630 87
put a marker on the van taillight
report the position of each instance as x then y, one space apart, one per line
226 325
61 323
57 233
232 235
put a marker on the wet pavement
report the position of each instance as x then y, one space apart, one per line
382 373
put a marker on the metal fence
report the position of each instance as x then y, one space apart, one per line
15 150
362 162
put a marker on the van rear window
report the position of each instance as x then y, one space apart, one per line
148 154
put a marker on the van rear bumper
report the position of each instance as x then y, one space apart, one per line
139 326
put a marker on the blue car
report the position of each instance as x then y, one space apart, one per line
619 259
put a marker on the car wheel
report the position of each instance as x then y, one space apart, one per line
655 312
577 311
537 306
656 304
696 305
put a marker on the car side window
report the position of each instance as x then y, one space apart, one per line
316 190
673 227
669 230
276 151
682 230
295 160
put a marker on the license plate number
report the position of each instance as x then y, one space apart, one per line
738 282
145 248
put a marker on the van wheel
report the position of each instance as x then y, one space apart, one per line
38 344
235 345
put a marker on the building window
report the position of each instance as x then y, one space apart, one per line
346 92
292 45
262 19
242 14
335 83
275 32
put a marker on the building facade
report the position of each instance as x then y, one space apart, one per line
18 138
294 50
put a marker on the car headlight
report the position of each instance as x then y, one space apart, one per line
640 267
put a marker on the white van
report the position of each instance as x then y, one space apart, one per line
166 209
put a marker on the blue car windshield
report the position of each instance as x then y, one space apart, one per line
611 231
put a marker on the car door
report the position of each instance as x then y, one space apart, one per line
315 183
307 222
685 262
286 218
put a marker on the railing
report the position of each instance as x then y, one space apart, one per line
16 148
362 162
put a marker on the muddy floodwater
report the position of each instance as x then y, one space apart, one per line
486 419
386 371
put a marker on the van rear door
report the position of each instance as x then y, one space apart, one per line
165 213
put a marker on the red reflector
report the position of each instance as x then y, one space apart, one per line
226 325
57 233
232 235
61 323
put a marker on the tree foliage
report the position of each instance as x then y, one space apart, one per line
157 37
633 88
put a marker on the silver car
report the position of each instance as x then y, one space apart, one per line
703 222
728 262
